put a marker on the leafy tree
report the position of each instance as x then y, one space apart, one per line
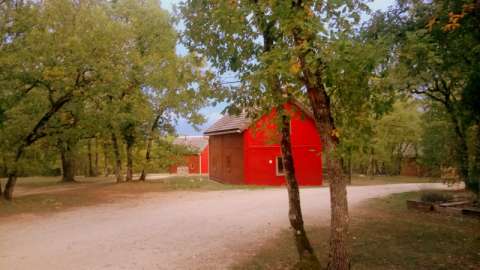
280 50
57 51
242 37
173 86
438 59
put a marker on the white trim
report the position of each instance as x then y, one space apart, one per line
277 173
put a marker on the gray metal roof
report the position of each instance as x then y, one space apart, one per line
229 124
195 142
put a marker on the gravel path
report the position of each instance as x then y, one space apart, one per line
174 230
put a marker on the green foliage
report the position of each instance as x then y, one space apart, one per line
435 53
255 41
72 71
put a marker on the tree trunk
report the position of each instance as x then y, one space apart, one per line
339 218
32 137
320 104
68 163
96 157
143 175
304 248
106 170
9 187
371 164
90 173
462 143
477 157
474 172
5 168
118 159
349 168
129 161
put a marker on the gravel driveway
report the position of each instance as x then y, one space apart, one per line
171 230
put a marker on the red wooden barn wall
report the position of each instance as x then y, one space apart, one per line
204 159
226 158
250 157
193 163
261 149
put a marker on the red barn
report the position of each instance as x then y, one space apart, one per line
242 152
197 162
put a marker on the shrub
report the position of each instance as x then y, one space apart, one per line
436 197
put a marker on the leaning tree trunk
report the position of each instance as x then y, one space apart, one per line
118 159
11 181
320 104
12 175
68 163
143 175
312 77
129 147
302 243
32 137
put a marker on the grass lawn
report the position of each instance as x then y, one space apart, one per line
361 180
385 235
53 196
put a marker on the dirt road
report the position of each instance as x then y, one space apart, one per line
170 230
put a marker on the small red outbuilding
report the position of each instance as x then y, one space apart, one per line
246 152
197 162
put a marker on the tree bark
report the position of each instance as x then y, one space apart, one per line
68 162
302 243
5 168
143 175
96 158
32 137
474 172
320 104
371 164
106 170
9 187
304 248
118 159
338 254
129 147
12 176
90 173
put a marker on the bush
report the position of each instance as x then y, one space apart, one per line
436 197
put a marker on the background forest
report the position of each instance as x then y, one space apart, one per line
96 87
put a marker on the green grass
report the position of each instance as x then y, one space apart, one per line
358 180
385 235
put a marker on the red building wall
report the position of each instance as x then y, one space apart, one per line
191 161
204 159
261 147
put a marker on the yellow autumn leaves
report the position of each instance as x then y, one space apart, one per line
453 19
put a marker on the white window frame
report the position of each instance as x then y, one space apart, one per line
277 159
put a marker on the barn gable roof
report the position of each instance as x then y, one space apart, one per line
229 124
197 143
238 123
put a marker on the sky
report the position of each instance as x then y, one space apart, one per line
212 114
